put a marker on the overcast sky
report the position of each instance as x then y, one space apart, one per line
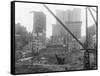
24 16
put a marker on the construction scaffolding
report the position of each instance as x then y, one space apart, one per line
85 47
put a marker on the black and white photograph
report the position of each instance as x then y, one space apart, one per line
53 37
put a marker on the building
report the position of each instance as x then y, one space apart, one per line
75 28
39 26
63 16
39 22
92 30
55 32
71 19
69 16
91 37
74 15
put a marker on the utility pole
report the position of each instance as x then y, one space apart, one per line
96 24
86 53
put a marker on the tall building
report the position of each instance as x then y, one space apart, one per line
75 28
71 19
39 22
39 27
63 16
74 15
55 32
67 17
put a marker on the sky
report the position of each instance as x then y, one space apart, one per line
24 15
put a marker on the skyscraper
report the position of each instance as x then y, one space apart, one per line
74 15
71 19
39 27
39 22
75 28
63 16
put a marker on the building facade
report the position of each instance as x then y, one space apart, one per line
39 26
39 22
71 19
